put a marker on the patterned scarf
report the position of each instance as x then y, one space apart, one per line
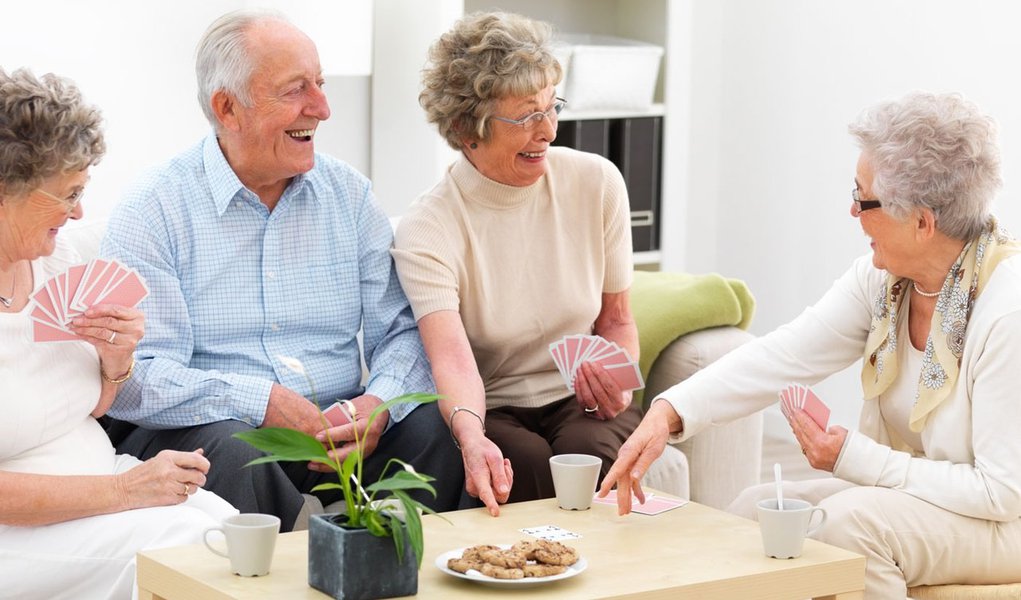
943 350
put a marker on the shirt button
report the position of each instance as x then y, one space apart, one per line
271 275
274 327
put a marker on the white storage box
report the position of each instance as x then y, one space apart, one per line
604 72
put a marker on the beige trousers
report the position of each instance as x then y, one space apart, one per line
906 541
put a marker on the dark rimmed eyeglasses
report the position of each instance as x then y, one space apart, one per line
532 121
863 205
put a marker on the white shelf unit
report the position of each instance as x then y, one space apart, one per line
408 155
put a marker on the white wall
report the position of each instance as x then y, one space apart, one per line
771 86
135 60
774 84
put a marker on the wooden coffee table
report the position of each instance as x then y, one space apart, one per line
691 552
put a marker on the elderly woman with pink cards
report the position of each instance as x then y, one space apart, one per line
519 245
929 487
72 513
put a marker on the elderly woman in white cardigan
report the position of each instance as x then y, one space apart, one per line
929 488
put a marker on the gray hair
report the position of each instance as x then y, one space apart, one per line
223 61
46 129
936 151
484 58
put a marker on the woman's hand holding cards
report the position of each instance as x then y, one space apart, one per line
809 420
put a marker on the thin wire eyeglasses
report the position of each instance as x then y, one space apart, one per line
863 205
71 202
532 121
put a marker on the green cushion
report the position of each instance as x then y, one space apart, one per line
668 305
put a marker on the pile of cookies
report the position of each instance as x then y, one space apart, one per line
527 558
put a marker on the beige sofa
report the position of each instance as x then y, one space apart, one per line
710 468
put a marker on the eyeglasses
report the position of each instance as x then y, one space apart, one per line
71 202
532 121
863 205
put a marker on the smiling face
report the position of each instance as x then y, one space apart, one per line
514 155
29 223
893 242
270 142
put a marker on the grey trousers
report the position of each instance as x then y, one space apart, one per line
420 439
906 540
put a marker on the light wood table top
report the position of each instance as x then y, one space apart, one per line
689 552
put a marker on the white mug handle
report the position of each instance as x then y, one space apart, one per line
811 530
205 540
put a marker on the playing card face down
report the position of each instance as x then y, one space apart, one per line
70 293
337 415
571 351
801 397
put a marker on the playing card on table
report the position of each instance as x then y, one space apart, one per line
801 397
550 532
573 350
70 293
653 505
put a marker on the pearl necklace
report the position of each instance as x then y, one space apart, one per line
914 284
14 286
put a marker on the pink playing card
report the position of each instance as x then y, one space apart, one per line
129 291
815 408
43 332
41 299
98 284
337 415
626 376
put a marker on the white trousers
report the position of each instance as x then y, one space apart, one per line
94 557
906 541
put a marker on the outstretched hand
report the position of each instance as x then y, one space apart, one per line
638 453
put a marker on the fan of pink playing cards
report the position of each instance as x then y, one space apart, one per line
797 396
573 350
67 295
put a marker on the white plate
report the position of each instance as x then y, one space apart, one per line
473 575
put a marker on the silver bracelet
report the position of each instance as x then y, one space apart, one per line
453 414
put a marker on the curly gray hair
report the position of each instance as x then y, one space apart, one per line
46 129
222 60
936 151
484 58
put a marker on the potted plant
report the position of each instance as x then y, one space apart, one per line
352 554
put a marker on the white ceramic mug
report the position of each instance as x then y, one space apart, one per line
574 479
251 538
784 531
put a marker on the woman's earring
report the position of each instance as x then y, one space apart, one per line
473 146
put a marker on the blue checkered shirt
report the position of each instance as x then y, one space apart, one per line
233 286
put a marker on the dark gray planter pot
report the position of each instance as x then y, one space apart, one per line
353 564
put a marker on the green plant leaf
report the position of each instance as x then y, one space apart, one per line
282 444
414 525
329 485
402 481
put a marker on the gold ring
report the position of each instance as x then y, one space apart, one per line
186 489
113 334
592 409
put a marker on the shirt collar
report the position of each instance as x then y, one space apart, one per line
223 181
225 185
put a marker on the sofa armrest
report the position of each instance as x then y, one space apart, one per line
722 460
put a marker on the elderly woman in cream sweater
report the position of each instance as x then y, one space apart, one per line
517 246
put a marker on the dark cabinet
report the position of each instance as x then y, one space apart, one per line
635 145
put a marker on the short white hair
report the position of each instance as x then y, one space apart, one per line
936 151
223 61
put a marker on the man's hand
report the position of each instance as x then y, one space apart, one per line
343 436
289 409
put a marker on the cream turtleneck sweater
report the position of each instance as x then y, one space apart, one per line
524 266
